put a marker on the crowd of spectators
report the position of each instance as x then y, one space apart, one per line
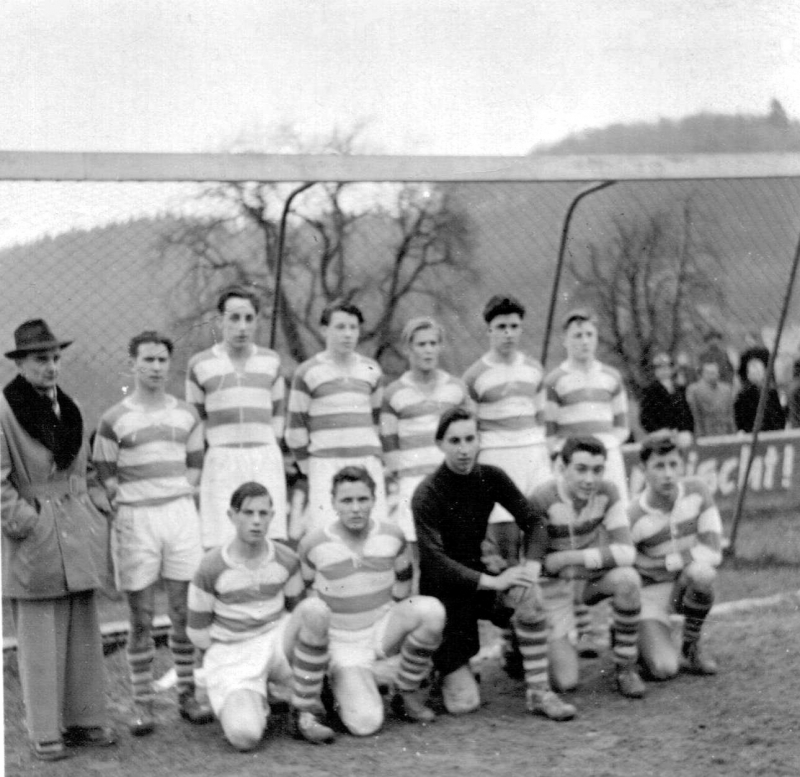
718 392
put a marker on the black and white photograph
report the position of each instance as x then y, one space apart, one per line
400 388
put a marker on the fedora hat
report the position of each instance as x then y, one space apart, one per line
34 335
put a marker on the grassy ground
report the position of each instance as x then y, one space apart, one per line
738 724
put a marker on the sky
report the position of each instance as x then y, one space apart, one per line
429 76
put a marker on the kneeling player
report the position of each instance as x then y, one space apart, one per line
451 511
362 570
677 531
589 540
238 604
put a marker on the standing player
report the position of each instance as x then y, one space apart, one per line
238 603
239 393
589 539
451 510
361 568
677 531
334 411
506 386
148 451
586 397
411 409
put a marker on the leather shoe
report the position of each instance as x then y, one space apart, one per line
694 661
409 705
629 683
194 711
309 727
50 751
142 723
89 736
549 704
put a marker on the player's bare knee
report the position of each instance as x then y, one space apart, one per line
627 587
701 576
362 722
315 616
529 609
661 667
430 613
244 737
563 680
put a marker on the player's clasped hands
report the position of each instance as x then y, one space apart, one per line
522 574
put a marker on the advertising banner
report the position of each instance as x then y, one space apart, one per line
721 462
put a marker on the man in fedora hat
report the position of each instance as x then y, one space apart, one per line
50 529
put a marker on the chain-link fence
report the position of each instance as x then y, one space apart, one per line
662 262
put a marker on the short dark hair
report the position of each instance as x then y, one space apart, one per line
502 305
248 490
238 292
450 416
344 307
579 314
658 444
353 474
148 336
588 444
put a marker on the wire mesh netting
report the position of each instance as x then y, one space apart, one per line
662 263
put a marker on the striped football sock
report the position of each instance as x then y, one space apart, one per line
532 640
415 662
626 635
695 606
583 619
309 664
183 657
140 666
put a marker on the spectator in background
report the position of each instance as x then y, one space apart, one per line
754 349
711 402
715 352
664 404
685 373
746 404
793 398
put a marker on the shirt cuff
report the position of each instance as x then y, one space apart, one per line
673 562
592 558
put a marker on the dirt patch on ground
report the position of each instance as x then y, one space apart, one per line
742 722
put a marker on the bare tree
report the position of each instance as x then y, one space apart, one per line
652 284
385 247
